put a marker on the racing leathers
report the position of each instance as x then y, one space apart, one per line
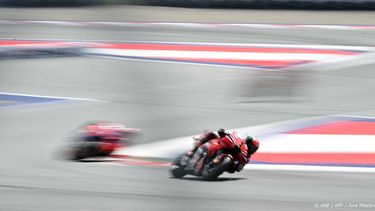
241 154
108 136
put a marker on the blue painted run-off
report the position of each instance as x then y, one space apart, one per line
26 99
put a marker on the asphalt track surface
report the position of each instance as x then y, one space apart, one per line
169 100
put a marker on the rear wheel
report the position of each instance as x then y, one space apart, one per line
212 172
177 167
79 154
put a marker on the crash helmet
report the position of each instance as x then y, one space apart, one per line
251 141
256 143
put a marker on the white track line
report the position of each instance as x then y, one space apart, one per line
311 46
192 24
357 116
216 55
324 61
188 63
336 63
56 97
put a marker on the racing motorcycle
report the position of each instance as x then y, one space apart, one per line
99 140
221 156
84 149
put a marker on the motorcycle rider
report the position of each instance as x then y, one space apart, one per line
108 135
252 145
206 137
242 153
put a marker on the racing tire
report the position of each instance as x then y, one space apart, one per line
212 173
85 150
177 167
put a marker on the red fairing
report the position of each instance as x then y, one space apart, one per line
204 138
93 130
109 131
213 146
109 147
105 131
242 156
229 142
256 143
232 140
226 142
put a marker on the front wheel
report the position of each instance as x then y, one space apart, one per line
211 173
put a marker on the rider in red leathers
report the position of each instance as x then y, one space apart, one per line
99 139
108 135
241 153
249 147
204 138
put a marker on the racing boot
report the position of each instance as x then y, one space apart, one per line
193 167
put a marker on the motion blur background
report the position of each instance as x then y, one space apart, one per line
55 48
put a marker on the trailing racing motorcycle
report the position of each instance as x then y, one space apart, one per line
99 139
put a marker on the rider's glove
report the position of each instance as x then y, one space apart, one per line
236 149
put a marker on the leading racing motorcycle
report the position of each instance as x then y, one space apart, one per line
221 155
